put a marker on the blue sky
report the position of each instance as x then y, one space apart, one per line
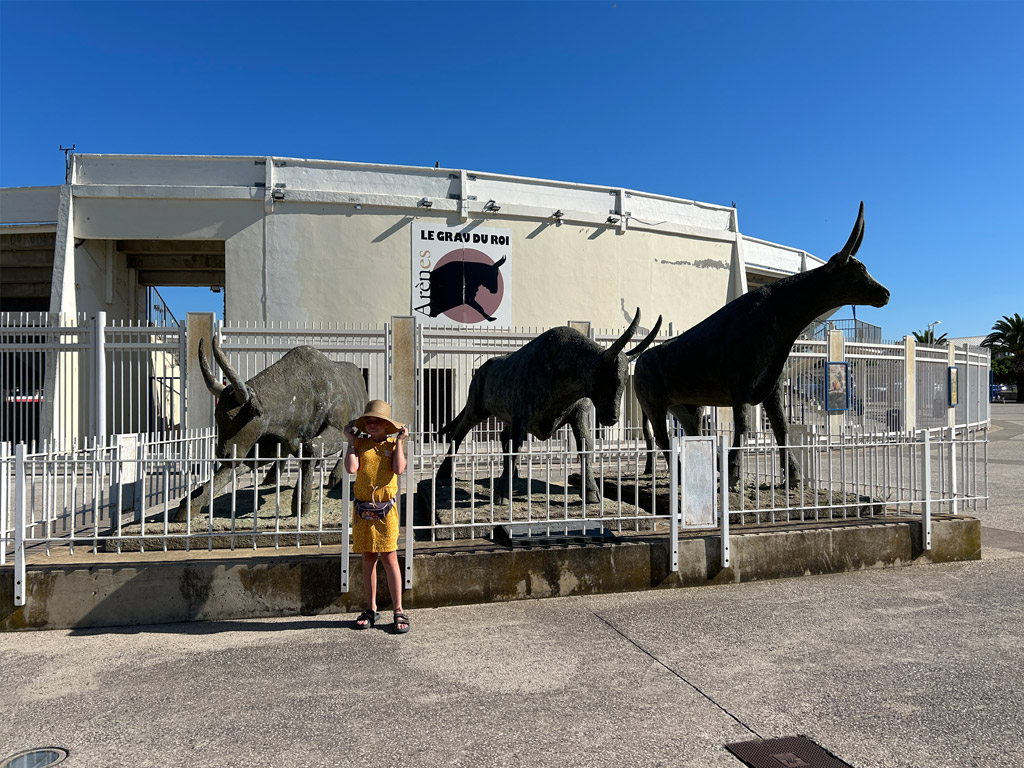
794 111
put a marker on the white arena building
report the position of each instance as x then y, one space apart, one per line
317 241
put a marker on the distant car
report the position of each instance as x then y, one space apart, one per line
998 393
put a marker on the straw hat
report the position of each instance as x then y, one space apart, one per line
378 409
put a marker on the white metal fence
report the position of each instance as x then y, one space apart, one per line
252 348
56 391
124 493
65 483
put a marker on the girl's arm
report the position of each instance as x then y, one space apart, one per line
351 456
398 457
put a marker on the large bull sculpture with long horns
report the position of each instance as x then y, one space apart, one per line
736 356
541 387
301 402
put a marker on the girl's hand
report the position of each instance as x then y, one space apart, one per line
350 432
403 433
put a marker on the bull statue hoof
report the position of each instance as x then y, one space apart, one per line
184 513
444 472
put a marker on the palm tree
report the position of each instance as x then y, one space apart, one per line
1008 336
928 337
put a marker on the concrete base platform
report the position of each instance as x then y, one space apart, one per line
106 589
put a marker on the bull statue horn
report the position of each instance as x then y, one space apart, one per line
853 244
215 387
620 343
241 391
647 341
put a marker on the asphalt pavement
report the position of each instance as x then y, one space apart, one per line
919 667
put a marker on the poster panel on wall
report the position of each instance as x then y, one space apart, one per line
837 397
460 275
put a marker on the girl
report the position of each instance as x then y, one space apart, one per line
376 461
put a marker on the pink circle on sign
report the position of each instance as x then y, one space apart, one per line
487 300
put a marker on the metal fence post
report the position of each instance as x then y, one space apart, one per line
836 353
909 385
410 502
98 340
724 477
673 513
19 525
927 512
346 521
5 480
139 491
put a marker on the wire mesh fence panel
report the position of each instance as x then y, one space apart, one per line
46 383
447 361
144 392
803 383
972 396
252 348
877 373
932 386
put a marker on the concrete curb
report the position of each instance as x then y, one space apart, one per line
155 588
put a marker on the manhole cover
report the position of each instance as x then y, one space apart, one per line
787 752
36 758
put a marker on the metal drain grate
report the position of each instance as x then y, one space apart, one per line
41 757
787 752
555 532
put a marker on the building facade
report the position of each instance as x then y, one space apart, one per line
312 241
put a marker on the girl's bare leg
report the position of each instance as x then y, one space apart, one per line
370 579
394 576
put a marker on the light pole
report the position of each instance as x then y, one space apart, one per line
931 327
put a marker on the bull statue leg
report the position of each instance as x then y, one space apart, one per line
654 419
330 441
460 426
739 420
780 428
271 477
511 445
304 482
192 505
579 422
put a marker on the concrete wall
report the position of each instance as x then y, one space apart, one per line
101 272
157 587
29 205
308 262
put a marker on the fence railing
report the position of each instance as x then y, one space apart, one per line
125 493
56 390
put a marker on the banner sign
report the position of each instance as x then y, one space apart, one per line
460 275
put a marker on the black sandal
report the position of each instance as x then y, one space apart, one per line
370 617
401 618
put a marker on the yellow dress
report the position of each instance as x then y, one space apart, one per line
375 481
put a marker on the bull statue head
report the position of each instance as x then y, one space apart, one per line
612 371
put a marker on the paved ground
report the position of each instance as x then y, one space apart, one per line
913 667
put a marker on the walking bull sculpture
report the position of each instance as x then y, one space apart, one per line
304 400
543 386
